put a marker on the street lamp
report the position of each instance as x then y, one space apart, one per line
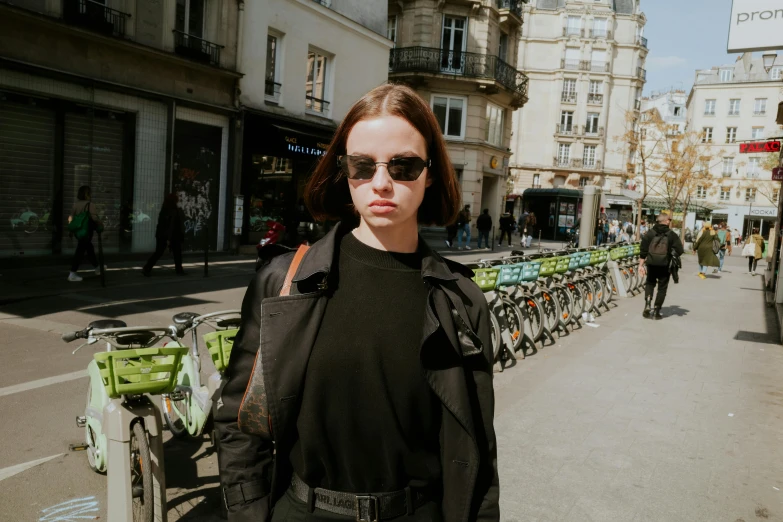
769 61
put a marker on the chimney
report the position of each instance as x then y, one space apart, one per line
747 62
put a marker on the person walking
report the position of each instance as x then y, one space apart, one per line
704 247
170 233
84 246
599 232
737 237
463 228
451 233
657 248
360 382
521 225
753 250
484 225
531 229
506 223
725 244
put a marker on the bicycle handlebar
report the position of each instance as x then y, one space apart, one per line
69 337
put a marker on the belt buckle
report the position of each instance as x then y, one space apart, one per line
373 508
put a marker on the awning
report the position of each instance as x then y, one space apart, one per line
553 192
616 199
654 203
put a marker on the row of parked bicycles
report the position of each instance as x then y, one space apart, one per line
533 297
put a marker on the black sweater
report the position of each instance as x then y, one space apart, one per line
369 421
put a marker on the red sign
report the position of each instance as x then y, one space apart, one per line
777 174
760 146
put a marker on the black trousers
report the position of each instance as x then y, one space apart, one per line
504 233
160 248
657 275
752 263
84 247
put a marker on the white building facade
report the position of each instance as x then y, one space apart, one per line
729 105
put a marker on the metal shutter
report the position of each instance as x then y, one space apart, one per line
96 141
26 178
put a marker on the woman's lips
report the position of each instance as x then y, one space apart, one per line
382 207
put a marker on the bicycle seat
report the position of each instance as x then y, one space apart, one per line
134 338
229 322
184 317
105 324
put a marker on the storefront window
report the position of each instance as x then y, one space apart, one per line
272 192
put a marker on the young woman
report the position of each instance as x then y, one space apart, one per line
703 247
84 246
754 245
170 232
368 391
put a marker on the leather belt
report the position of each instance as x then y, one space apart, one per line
365 507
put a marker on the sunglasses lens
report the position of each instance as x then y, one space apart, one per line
357 167
406 169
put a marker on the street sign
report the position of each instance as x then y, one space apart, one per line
777 174
759 146
755 26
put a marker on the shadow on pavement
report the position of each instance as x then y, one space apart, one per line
206 510
772 335
674 310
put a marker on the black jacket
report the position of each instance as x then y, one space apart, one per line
456 355
484 222
171 225
674 240
506 222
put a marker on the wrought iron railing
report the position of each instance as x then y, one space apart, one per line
593 131
572 65
637 105
565 129
601 33
316 104
562 162
573 31
457 63
196 48
272 90
599 66
515 6
568 97
642 41
641 73
95 16
597 99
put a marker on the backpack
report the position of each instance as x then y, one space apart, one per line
80 224
716 245
629 230
658 251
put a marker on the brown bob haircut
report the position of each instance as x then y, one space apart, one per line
327 194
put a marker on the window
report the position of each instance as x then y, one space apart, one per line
599 28
754 167
775 73
589 156
598 61
536 180
572 58
701 192
596 94
272 87
453 42
678 111
750 194
734 107
725 193
569 90
706 135
574 25
592 123
566 122
450 113
760 107
494 125
315 86
731 134
726 75
563 154
503 47
728 167
704 166
757 133
190 17
584 181
709 108
391 29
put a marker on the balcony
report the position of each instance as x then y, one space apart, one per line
641 41
637 105
272 91
641 74
515 6
760 113
598 66
95 17
575 163
595 99
196 48
593 131
601 33
316 105
563 129
571 65
431 60
561 162
568 97
573 31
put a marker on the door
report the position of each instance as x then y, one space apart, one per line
453 44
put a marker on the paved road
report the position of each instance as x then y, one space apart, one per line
634 420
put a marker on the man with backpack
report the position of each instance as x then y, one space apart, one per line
724 236
658 247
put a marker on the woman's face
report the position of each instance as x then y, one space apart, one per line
382 202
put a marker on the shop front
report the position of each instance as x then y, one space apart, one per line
278 158
557 210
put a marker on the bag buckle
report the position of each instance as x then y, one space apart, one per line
371 504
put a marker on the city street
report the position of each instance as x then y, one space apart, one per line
632 420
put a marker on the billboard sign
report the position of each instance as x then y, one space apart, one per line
777 174
759 146
756 25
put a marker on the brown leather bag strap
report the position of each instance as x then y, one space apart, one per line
289 277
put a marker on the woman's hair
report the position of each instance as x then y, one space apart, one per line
531 219
755 230
84 193
171 200
327 194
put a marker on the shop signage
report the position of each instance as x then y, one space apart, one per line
760 146
755 26
777 174
292 145
772 212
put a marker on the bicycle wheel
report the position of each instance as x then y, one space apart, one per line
141 475
533 313
611 287
600 292
175 413
90 437
515 321
551 309
565 303
494 334
578 299
588 292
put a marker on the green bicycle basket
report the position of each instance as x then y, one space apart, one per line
508 275
597 257
636 249
548 266
562 265
617 253
486 278
143 370
219 344
530 270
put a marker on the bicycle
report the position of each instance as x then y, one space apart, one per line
123 428
187 410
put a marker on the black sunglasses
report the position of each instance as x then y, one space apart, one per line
407 168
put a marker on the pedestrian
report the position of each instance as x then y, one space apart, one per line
451 233
506 223
484 225
521 223
599 232
704 246
170 233
531 229
753 250
725 243
737 236
655 255
463 228
366 395
85 222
